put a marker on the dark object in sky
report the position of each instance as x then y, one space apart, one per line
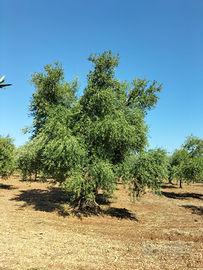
3 85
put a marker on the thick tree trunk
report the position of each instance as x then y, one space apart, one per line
88 205
85 205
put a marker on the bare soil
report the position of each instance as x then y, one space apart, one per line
39 230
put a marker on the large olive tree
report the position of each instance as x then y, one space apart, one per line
83 143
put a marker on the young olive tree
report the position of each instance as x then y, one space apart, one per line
194 170
187 162
28 160
84 143
7 149
145 169
179 161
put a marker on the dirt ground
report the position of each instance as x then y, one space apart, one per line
38 230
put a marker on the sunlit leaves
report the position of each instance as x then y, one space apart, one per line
7 152
52 90
187 162
194 146
143 95
146 169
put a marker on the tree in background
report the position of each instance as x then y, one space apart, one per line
145 169
178 162
7 164
84 143
28 160
187 162
194 146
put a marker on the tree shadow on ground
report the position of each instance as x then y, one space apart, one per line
2 186
42 200
195 209
121 213
182 196
169 186
54 199
32 180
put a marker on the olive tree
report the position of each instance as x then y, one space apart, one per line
145 169
85 142
178 163
194 170
28 160
187 162
7 164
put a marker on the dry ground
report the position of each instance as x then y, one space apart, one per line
38 231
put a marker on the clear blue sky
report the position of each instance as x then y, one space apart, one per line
159 39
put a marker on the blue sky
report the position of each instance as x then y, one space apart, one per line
159 39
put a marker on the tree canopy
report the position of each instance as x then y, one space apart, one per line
6 156
52 91
84 143
187 162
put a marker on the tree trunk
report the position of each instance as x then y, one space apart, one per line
85 205
170 180
180 183
36 176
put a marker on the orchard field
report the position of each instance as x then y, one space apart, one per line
40 230
84 144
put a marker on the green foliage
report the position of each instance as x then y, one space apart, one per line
194 167
178 161
52 91
146 169
86 144
187 162
194 146
7 164
143 96
28 159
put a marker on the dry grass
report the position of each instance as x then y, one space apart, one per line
38 230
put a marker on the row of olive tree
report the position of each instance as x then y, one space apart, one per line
185 165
